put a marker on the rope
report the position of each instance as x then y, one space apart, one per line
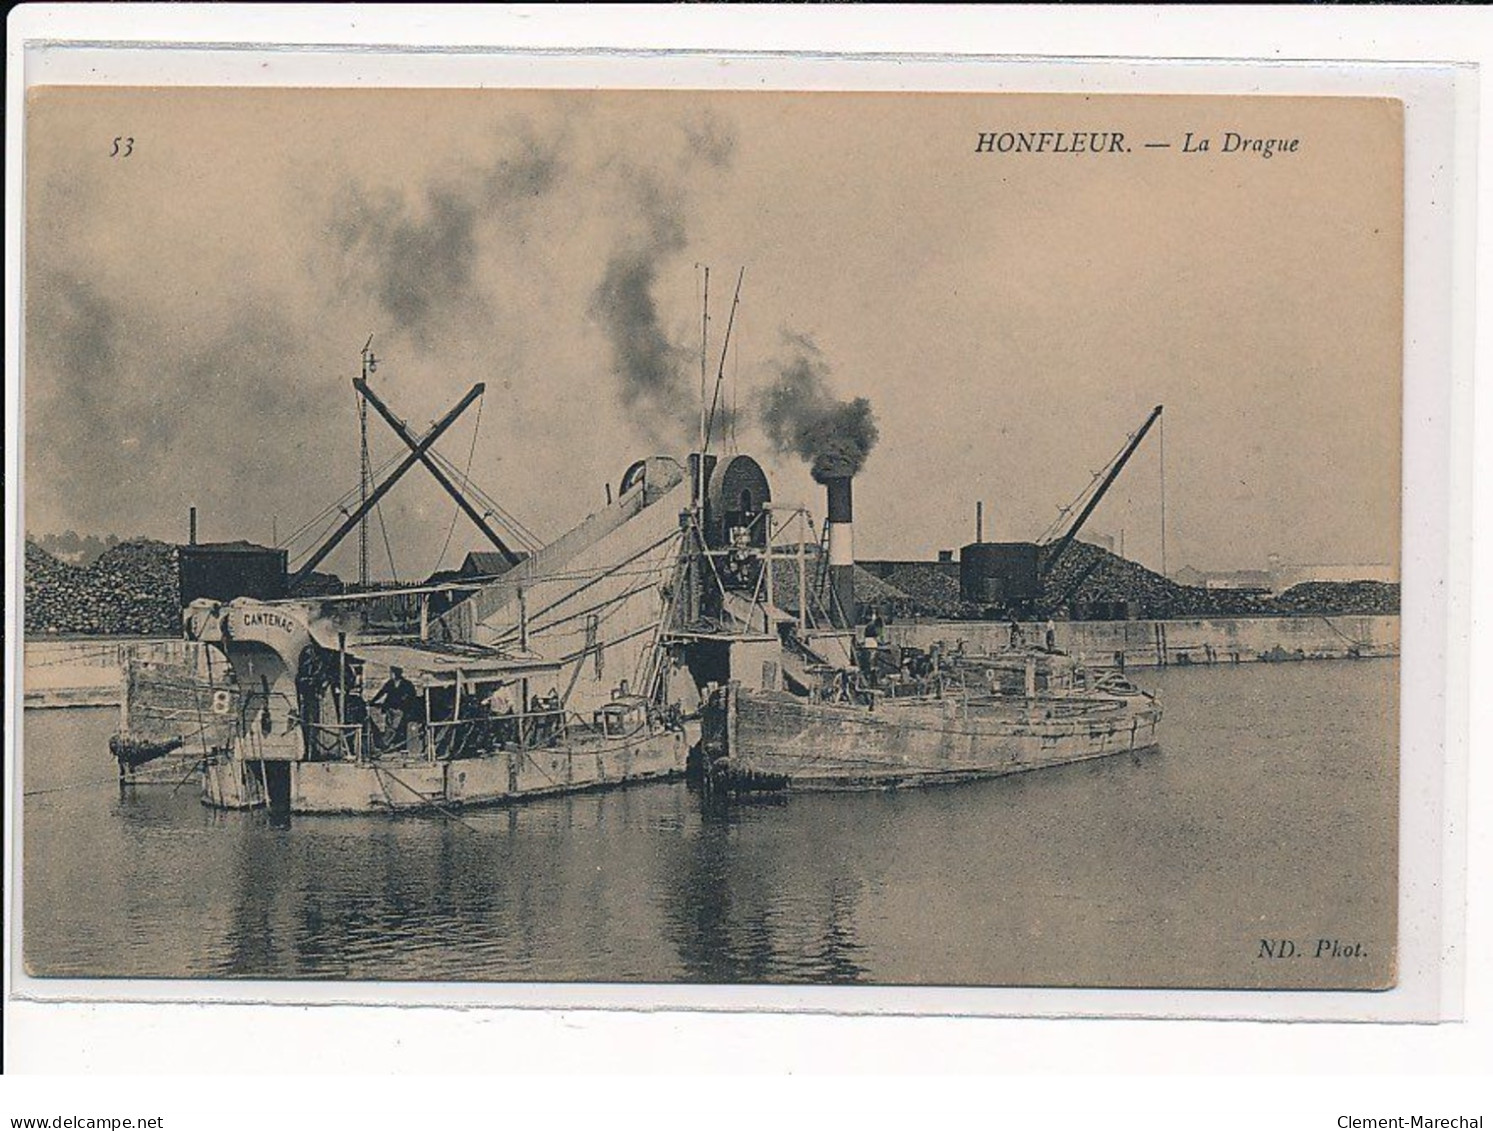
379 770
511 525
72 785
1082 497
735 389
384 530
649 679
1162 439
332 512
549 629
456 507
570 595
1349 639
156 775
602 647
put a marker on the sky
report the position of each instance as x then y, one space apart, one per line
195 311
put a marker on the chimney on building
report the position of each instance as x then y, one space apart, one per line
980 521
191 526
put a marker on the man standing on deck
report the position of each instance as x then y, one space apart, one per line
399 698
871 646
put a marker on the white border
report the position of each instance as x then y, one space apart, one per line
1438 418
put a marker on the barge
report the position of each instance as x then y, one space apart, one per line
307 737
814 698
687 633
776 740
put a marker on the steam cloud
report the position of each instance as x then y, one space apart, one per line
138 406
803 417
419 262
419 257
652 368
130 413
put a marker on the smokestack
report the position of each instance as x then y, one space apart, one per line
841 552
980 521
191 526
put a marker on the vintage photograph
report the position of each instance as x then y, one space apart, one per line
711 537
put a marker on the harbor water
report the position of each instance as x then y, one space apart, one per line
1267 814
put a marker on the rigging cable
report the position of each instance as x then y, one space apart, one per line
1162 439
511 525
456 507
1083 496
338 507
735 390
520 532
378 509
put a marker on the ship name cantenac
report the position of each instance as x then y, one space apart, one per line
1047 141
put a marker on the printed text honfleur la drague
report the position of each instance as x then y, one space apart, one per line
1106 142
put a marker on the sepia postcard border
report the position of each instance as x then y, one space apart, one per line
1439 217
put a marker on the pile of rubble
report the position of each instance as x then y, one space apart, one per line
933 587
1088 577
1109 580
316 584
1339 598
131 590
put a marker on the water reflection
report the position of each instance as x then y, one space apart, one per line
744 905
1146 870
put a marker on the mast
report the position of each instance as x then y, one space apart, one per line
720 373
704 346
412 442
365 472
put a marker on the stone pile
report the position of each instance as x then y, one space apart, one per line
1110 579
931 586
1342 598
131 590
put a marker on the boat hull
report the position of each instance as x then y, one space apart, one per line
414 785
767 740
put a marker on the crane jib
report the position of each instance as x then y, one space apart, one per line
1098 495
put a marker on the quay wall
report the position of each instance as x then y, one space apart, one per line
1154 643
88 671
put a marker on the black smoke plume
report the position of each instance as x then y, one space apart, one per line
418 260
802 416
132 415
418 265
652 370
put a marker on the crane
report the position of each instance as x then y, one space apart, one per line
1115 468
418 448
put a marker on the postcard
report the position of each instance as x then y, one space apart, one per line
712 538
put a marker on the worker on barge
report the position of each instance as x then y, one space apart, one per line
401 704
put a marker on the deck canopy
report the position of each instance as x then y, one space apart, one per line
429 664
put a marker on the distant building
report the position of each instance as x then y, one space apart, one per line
1233 580
1284 575
222 571
1194 578
485 563
1239 580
